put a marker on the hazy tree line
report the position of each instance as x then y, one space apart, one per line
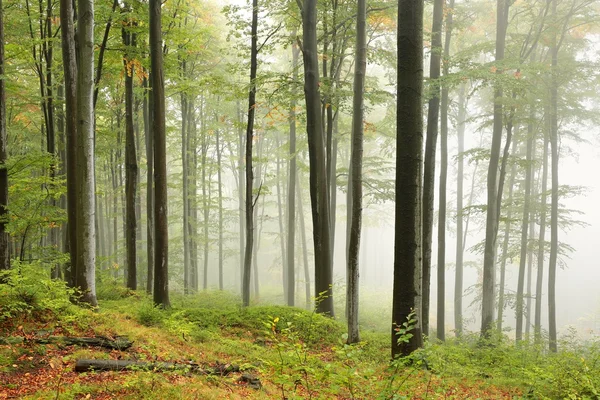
151 118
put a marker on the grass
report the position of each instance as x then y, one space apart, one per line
295 353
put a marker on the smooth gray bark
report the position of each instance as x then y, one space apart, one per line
358 111
85 277
161 227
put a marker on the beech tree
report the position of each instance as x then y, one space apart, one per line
4 243
356 165
161 232
85 275
250 201
406 301
319 192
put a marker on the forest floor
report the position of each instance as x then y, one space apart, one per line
295 354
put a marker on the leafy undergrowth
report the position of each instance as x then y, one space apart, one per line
296 354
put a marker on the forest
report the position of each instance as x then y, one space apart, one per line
309 199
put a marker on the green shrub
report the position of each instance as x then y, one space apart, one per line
149 315
27 289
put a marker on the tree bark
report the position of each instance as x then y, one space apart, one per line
554 191
4 242
441 261
304 247
70 77
131 167
147 110
184 179
291 209
433 113
505 243
491 230
458 278
317 163
220 205
249 173
85 277
537 323
360 70
161 228
409 169
524 233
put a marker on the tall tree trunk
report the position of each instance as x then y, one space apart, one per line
220 205
317 163
70 77
537 323
554 191
184 179
524 232
433 113
85 278
4 242
131 167
360 70
147 110
291 209
280 217
206 210
161 228
491 229
192 227
249 176
506 241
458 279
528 295
409 169
241 189
441 261
304 247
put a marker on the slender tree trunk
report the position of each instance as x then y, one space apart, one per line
185 194
506 241
147 109
317 163
220 205
441 261
249 176
304 248
241 189
192 227
541 245
206 210
280 217
131 167
161 228
524 232
554 191
433 113
70 77
4 239
491 230
409 169
360 70
528 294
291 209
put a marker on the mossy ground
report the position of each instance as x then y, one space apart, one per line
295 353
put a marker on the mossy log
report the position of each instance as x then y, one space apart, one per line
84 365
119 343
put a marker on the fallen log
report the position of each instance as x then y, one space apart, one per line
119 343
85 365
